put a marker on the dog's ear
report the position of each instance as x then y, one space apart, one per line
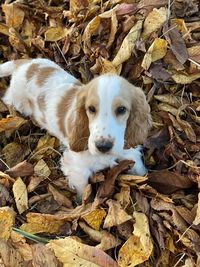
139 121
79 132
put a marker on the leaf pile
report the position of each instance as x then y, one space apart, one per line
124 220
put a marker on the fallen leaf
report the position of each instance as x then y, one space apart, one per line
34 182
41 169
94 218
154 21
168 182
22 169
10 256
59 197
7 218
139 246
106 239
42 223
116 215
131 180
123 197
43 256
156 51
20 244
107 187
20 195
55 34
5 197
14 15
128 44
193 53
73 253
187 128
11 123
176 43
184 78
197 217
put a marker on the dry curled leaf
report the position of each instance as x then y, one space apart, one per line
20 195
139 246
73 253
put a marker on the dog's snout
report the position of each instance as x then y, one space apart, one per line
104 145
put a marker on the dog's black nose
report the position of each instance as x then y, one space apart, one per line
104 145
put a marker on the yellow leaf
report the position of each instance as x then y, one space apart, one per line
139 246
44 147
41 169
128 44
156 51
11 123
73 253
54 34
182 78
95 218
123 197
7 216
4 29
42 223
20 195
154 21
14 15
116 215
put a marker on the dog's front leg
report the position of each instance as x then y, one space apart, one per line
135 155
79 166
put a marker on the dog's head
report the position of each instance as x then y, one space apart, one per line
111 114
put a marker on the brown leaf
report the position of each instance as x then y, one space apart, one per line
5 197
168 182
22 169
59 197
43 256
10 256
11 123
107 187
15 153
176 43
116 215
106 239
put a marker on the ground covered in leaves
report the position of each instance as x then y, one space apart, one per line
124 220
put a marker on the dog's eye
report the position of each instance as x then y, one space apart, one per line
120 111
92 109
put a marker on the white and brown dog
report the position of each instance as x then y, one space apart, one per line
96 121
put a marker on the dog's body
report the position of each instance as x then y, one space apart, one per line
103 116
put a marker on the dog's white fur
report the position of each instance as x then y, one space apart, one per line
105 115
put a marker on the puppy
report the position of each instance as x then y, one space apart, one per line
99 122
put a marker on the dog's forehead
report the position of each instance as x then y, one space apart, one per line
109 86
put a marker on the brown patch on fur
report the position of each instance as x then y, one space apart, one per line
43 75
79 129
42 107
63 107
139 121
31 104
32 70
20 62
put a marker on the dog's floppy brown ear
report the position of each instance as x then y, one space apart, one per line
79 132
139 121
